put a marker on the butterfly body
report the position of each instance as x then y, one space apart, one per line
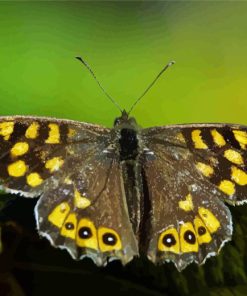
115 193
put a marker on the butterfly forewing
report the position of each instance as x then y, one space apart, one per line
219 153
34 149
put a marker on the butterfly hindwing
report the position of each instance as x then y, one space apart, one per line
88 216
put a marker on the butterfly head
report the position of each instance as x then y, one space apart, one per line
125 121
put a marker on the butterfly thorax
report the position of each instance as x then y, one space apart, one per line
128 141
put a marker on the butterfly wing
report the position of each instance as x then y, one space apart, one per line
190 170
219 152
76 170
88 216
34 149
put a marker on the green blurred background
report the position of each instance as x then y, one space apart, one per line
126 44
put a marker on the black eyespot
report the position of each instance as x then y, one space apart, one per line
189 237
85 232
169 240
201 230
69 226
109 239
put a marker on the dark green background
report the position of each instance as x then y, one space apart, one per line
127 44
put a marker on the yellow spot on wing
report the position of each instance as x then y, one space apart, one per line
174 248
17 168
70 226
187 204
241 137
213 160
19 149
201 237
69 150
218 138
71 132
233 156
6 129
80 201
54 164
211 222
180 137
227 187
67 181
239 176
59 214
107 248
34 179
90 242
187 247
205 169
197 139
54 134
32 131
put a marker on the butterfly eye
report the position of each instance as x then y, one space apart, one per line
109 240
169 241
86 234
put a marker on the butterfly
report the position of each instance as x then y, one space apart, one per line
116 193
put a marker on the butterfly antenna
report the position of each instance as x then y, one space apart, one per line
95 78
151 84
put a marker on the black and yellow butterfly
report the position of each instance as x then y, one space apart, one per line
116 193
